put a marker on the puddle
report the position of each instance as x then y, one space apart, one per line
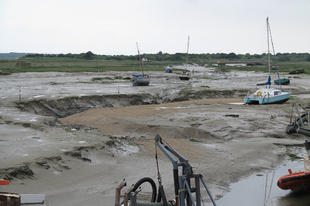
263 190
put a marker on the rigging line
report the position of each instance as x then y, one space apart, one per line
266 188
140 59
274 53
187 52
304 184
271 184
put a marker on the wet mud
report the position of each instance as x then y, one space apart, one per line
75 142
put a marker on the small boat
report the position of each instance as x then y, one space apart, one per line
185 74
267 95
297 182
140 79
169 69
4 182
221 63
283 81
298 71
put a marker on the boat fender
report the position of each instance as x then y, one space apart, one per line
259 93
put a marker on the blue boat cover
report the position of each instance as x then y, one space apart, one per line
138 75
267 83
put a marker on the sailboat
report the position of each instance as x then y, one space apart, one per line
185 74
267 95
140 79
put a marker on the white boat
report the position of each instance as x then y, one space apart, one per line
185 74
140 79
267 95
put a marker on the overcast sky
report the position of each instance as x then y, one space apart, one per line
113 27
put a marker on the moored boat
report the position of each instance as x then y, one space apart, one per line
186 74
140 79
267 95
283 81
169 69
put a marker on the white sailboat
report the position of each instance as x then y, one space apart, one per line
267 95
140 79
185 74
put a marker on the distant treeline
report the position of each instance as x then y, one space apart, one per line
160 56
12 55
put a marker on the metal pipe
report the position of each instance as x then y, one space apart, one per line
127 193
118 192
204 184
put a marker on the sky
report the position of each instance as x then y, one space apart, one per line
113 27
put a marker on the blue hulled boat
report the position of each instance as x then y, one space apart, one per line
267 95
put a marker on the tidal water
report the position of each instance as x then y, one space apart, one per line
262 190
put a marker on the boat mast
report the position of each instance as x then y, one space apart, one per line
268 48
268 45
140 59
187 52
274 54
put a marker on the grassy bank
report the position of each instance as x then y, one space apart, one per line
79 65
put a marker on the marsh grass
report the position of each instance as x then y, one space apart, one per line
194 140
283 67
293 157
66 64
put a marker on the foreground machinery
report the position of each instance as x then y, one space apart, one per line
299 123
187 185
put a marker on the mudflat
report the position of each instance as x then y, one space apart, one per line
75 140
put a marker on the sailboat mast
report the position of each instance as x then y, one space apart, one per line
268 45
140 59
187 51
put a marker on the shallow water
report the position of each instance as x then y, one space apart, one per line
263 190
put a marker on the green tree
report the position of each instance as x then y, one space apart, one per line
88 55
232 56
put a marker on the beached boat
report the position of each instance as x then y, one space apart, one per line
140 79
297 182
283 81
186 74
169 69
267 95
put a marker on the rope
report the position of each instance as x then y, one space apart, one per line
158 173
304 184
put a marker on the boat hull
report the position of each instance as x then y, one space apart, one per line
256 99
297 182
282 81
140 81
184 77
